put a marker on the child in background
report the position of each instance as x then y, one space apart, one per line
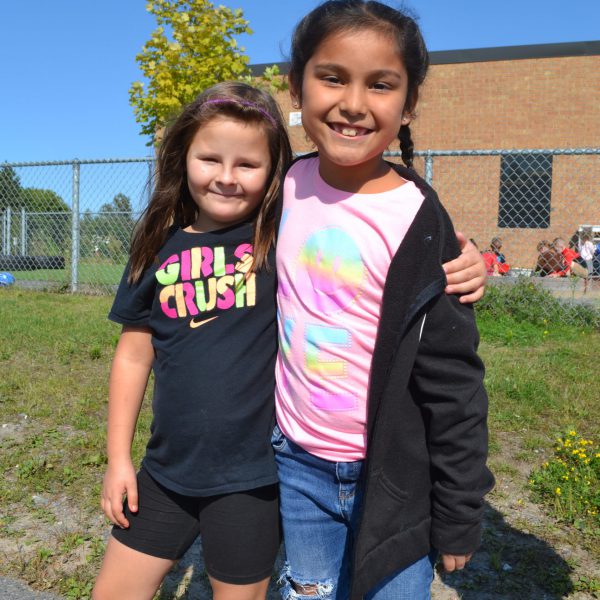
381 441
495 261
495 248
573 260
491 262
549 262
197 305
587 249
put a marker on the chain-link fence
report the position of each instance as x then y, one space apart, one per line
67 225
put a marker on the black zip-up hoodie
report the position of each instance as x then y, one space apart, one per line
426 473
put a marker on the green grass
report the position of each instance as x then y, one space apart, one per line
90 272
54 362
540 377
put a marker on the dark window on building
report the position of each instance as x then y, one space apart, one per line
525 187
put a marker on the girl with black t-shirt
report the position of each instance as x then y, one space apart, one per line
201 264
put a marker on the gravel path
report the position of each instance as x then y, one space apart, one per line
15 590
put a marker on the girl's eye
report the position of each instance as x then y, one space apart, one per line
380 86
332 79
247 166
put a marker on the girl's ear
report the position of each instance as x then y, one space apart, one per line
408 113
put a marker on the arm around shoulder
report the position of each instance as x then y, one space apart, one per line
466 274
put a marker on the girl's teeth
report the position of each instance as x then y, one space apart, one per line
349 132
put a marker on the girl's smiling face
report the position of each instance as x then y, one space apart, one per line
353 96
227 165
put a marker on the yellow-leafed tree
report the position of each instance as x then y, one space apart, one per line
193 47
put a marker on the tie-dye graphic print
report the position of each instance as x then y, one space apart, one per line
330 270
333 254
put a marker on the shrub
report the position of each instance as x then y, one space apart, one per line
528 302
569 483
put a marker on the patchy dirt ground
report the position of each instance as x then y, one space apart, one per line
525 555
51 545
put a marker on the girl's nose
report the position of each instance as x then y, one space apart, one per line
354 100
226 176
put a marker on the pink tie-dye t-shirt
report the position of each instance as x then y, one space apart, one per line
333 253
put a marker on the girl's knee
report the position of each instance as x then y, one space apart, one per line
103 590
128 574
312 590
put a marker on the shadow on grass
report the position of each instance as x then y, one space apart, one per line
188 578
511 564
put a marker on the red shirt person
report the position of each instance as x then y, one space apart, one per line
569 255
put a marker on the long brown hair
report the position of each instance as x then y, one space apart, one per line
171 203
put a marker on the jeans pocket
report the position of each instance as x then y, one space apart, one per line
278 440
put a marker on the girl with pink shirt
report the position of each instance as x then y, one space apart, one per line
381 441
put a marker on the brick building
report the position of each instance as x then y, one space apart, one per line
541 97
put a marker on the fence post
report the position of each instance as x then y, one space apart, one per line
75 228
428 167
23 231
150 180
4 232
8 231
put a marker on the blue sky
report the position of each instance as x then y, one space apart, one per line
67 65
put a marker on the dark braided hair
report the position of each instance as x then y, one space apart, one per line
406 145
335 16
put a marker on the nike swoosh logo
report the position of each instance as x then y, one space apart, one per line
194 324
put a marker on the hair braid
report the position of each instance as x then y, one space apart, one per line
406 145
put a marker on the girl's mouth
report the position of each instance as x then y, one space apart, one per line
224 194
349 130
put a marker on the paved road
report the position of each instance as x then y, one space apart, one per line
10 589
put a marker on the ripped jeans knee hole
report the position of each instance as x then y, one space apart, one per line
304 590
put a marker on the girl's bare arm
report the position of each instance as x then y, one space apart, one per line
128 379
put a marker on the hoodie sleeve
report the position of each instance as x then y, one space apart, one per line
448 382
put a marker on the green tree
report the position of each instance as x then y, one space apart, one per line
39 200
110 230
48 221
193 48
10 188
271 80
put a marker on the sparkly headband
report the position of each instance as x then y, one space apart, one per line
262 111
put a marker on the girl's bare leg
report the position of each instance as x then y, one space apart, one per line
127 574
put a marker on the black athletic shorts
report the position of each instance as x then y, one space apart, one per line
240 531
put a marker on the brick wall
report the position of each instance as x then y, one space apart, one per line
531 103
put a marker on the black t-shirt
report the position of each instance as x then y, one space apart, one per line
215 341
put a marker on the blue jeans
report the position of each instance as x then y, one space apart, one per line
320 507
